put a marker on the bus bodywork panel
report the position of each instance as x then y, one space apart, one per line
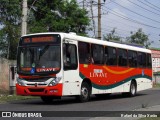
39 91
111 79
104 79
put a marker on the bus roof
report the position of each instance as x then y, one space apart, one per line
95 41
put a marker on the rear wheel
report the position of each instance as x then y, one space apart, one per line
85 92
47 99
132 92
133 89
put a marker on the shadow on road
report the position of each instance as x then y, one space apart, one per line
72 100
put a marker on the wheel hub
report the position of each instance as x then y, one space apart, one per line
84 92
133 89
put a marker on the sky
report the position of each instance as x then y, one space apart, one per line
127 16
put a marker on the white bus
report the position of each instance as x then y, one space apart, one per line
51 65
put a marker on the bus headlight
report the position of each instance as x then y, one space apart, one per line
55 81
20 82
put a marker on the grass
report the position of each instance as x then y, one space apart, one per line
5 97
157 85
8 98
151 118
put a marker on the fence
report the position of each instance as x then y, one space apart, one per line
4 74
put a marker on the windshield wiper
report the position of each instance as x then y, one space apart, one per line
43 51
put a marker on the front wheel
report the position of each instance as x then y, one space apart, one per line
85 92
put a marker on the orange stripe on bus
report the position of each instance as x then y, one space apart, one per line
118 72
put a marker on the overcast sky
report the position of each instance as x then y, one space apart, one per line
129 15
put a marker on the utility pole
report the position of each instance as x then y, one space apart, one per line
92 16
24 18
99 19
83 3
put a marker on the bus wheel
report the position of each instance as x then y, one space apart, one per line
133 89
85 92
47 99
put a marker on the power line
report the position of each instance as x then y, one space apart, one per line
152 4
148 5
110 30
129 19
129 26
119 35
122 23
124 36
143 8
117 29
136 13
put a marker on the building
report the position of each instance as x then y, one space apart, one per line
156 64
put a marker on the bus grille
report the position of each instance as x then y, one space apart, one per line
36 90
39 84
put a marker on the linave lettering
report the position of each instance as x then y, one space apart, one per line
98 74
45 69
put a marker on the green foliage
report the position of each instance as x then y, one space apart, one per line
3 44
111 36
59 16
43 16
10 18
139 37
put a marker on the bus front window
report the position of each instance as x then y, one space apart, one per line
39 59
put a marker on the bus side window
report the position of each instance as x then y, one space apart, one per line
98 54
84 53
132 58
69 57
149 61
106 55
122 57
112 55
142 59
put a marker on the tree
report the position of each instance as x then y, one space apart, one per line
111 36
43 16
59 16
139 37
10 18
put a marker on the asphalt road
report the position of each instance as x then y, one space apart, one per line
115 102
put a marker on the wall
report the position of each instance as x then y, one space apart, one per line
4 74
156 65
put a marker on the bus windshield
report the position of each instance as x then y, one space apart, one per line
39 59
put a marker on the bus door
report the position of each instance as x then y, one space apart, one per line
71 85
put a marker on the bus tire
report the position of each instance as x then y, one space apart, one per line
84 93
133 89
47 99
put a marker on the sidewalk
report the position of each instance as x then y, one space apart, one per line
152 108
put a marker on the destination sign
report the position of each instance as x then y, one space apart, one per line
39 39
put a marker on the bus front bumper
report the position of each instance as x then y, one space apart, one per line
39 91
